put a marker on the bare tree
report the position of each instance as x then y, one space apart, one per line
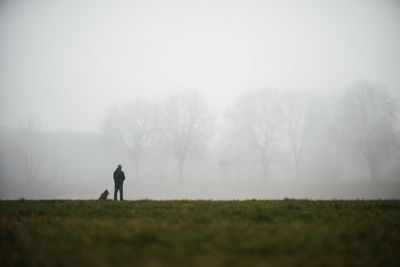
256 127
27 133
185 124
296 108
369 116
135 124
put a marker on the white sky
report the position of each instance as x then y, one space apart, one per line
66 63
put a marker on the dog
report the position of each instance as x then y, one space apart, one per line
104 195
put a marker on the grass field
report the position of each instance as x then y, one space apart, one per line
200 233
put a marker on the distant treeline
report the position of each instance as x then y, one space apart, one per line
267 133
263 134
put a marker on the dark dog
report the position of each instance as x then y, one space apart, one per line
104 195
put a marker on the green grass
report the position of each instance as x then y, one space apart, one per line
200 233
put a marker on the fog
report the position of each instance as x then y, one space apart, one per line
200 99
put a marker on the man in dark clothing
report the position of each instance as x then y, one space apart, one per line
119 178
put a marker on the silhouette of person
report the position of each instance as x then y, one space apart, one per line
119 178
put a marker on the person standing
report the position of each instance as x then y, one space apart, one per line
119 178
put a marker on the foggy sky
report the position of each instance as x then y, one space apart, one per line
67 62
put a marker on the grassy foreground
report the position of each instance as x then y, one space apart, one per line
200 233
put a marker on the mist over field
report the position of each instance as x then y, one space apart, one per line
200 99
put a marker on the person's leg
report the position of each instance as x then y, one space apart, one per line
115 191
121 192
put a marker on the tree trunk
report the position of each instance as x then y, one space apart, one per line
264 166
296 167
265 171
137 167
181 162
136 162
372 168
296 154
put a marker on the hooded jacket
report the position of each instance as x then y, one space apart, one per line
119 176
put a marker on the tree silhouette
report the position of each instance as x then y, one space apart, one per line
369 114
185 123
256 127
